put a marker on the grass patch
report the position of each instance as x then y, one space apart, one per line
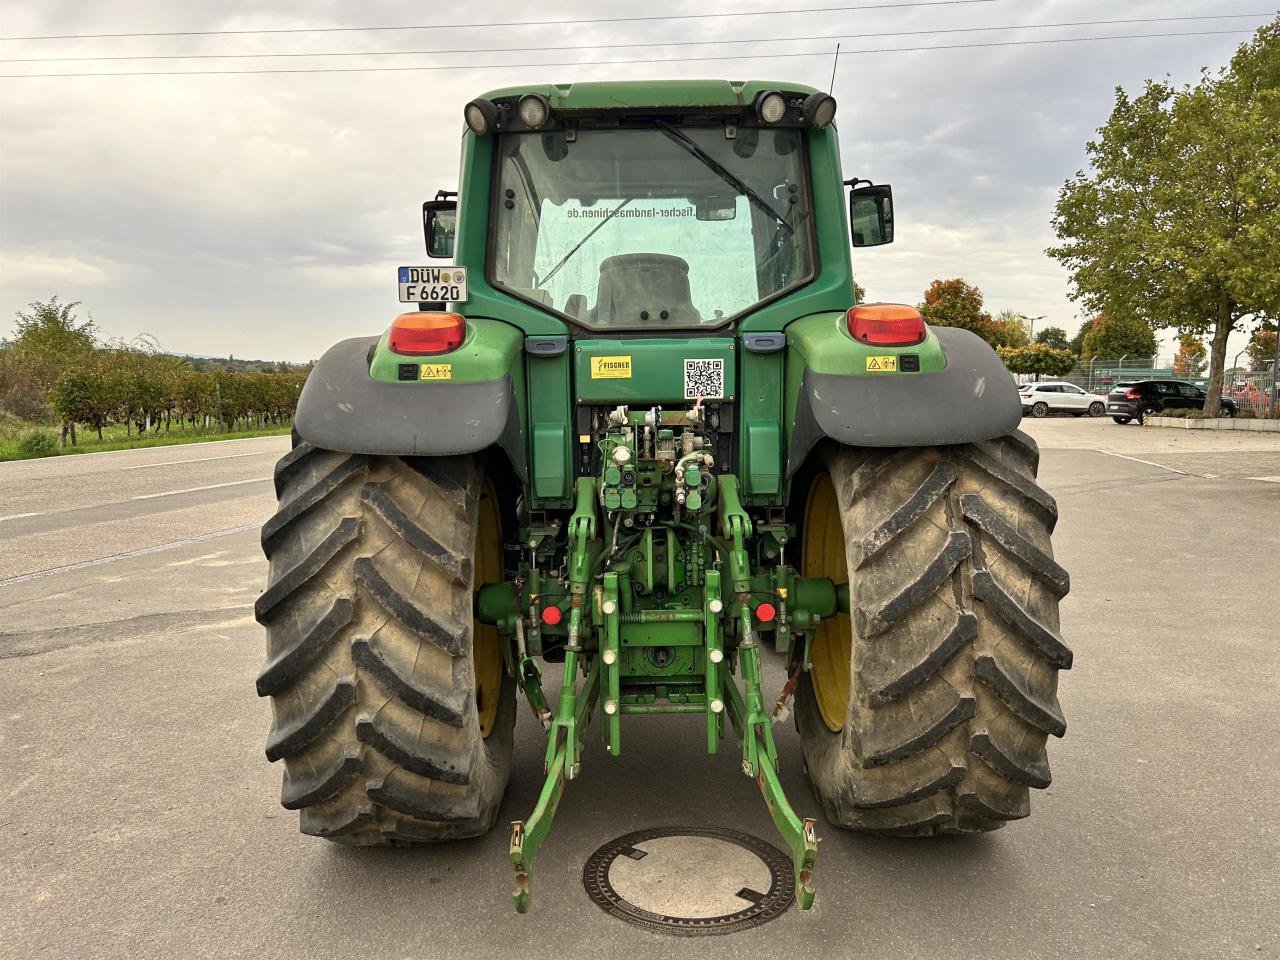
16 443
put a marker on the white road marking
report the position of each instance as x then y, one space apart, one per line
1263 479
229 456
19 516
211 486
70 567
1149 463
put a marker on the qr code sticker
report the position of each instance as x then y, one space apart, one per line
704 379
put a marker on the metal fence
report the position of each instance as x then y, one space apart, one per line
1256 391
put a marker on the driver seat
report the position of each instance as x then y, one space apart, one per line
635 284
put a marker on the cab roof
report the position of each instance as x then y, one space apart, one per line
646 94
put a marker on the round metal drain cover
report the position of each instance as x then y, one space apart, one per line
690 881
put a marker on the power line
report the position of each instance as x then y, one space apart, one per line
624 46
608 63
508 23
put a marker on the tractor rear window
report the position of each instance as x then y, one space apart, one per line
662 226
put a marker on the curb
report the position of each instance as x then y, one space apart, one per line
1218 423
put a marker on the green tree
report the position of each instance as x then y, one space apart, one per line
49 339
1191 358
1054 337
1262 346
1178 220
1039 359
1008 329
1110 337
954 303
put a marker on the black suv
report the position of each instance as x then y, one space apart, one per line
1145 398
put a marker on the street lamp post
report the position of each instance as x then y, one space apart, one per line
1032 321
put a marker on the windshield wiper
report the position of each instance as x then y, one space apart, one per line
581 243
722 172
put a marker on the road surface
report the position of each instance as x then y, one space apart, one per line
139 818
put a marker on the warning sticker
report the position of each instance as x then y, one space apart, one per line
887 364
611 368
435 371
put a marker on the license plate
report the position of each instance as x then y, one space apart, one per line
432 284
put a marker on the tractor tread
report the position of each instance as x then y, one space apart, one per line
1032 557
300 790
457 566
288 739
927 494
1033 769
447 636
297 576
875 621
369 663
956 646
424 759
450 708
885 678
306 499
290 662
1041 712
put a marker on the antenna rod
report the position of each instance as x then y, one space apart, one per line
834 63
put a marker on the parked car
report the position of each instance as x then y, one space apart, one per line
1145 398
1041 399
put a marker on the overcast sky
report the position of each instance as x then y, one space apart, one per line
264 215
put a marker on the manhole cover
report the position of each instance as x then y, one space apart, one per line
690 881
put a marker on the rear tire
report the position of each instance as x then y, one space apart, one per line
372 654
949 663
1040 409
1145 412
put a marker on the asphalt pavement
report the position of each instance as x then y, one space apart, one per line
139 818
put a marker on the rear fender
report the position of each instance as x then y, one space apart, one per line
355 401
842 389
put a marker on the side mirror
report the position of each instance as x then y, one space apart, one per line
439 220
871 215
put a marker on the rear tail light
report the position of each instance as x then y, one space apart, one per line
886 324
1133 395
426 332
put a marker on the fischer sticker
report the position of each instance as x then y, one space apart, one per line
611 368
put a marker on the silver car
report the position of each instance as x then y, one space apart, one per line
1041 399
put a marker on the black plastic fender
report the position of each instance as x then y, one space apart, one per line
342 408
973 398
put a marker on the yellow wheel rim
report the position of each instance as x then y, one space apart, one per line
485 651
823 538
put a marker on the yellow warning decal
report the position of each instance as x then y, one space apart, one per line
611 368
435 371
882 364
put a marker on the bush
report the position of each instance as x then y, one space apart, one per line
38 443
1178 412
1245 415
1197 414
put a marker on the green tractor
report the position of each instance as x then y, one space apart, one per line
651 441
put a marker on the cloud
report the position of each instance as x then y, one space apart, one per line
264 215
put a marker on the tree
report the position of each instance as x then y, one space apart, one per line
1039 359
1076 345
1262 346
954 303
48 339
1054 337
1178 220
1191 358
1008 329
1110 337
